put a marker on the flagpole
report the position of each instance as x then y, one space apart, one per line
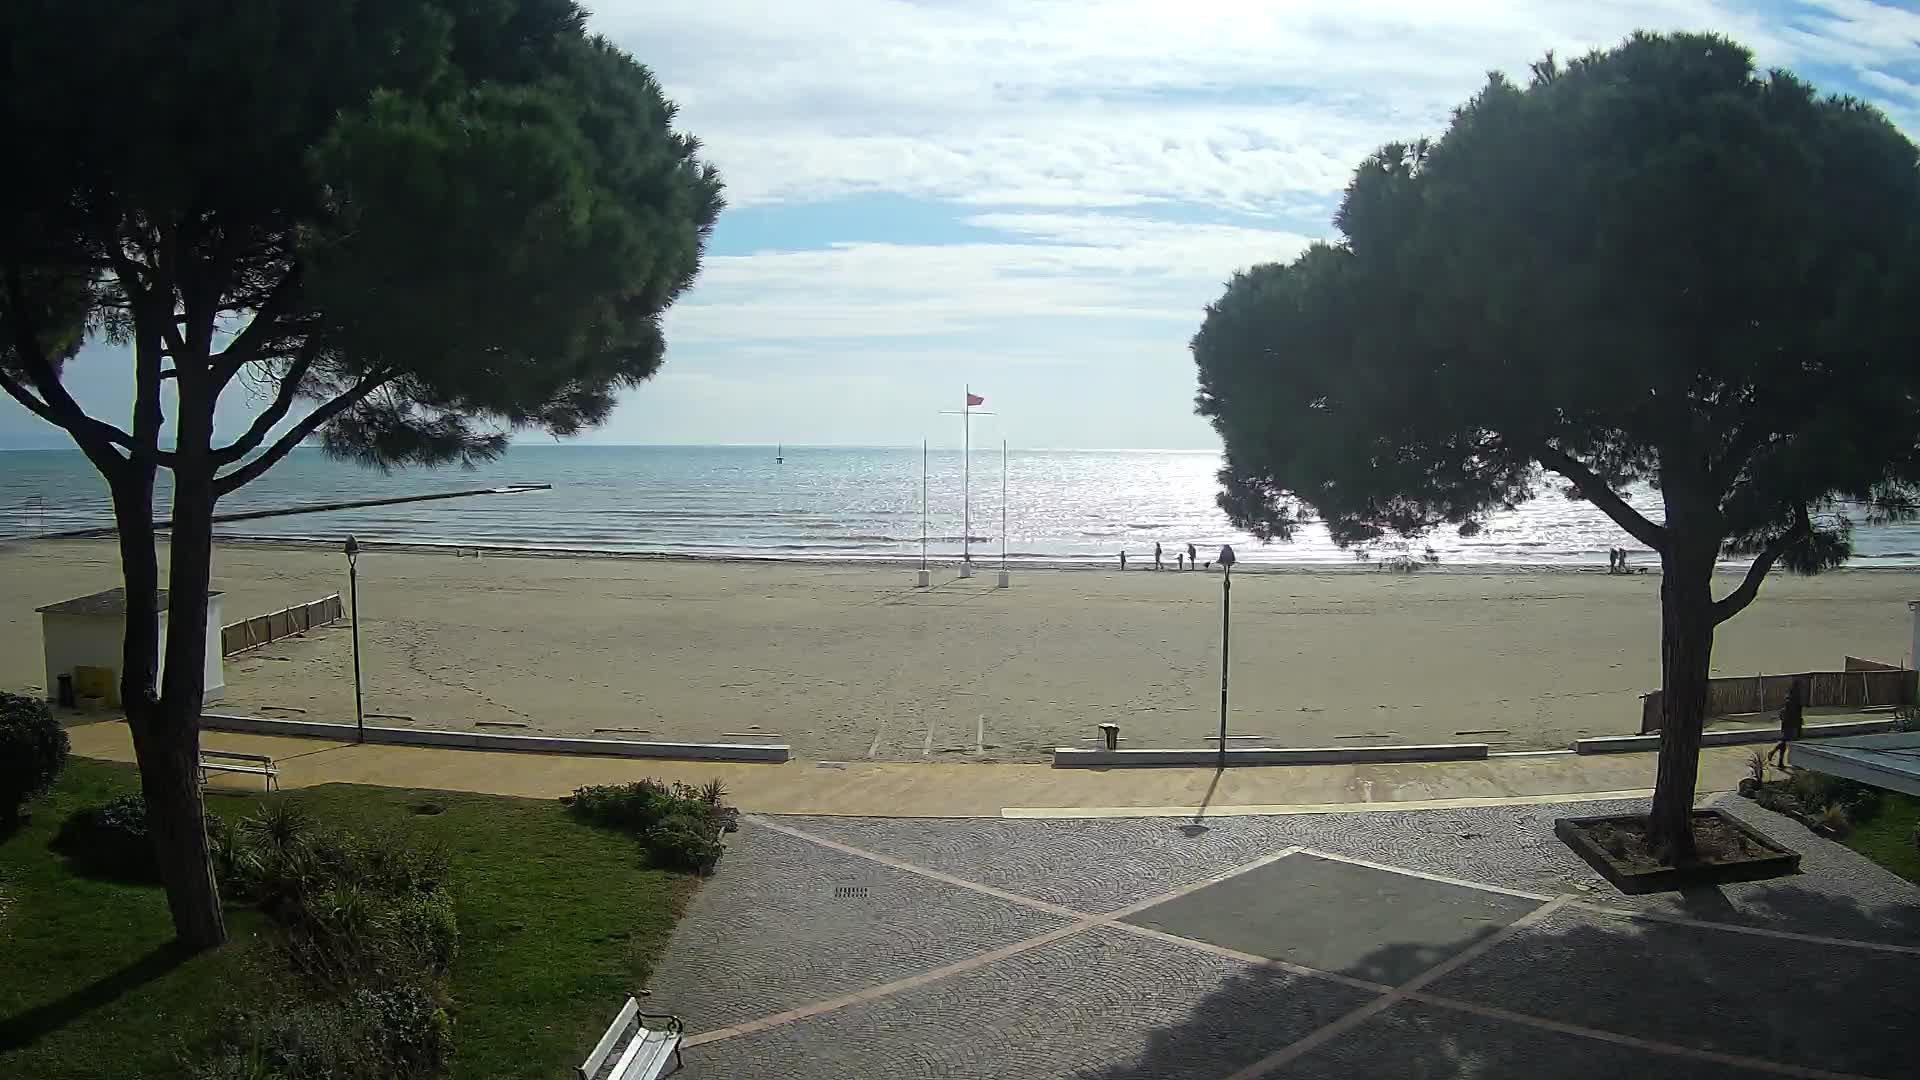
966 485
965 412
1002 581
924 578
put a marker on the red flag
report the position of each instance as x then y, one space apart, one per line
975 399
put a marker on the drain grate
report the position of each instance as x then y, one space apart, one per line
849 892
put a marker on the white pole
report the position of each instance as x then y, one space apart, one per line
925 577
1002 583
966 485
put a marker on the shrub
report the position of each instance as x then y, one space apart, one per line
399 1032
33 750
634 807
1810 788
406 1027
112 839
684 842
352 910
1779 801
1833 821
1863 801
680 827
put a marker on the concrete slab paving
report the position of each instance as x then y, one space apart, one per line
1090 865
1819 1006
926 976
784 922
1335 916
1412 1041
1100 1005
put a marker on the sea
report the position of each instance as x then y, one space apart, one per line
1073 507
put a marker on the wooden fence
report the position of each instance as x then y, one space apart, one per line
1857 688
261 629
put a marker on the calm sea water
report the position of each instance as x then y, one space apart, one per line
841 503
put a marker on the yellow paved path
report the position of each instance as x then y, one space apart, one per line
892 789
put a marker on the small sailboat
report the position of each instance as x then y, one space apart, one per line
780 454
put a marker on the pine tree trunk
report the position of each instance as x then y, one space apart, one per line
166 744
1686 660
180 832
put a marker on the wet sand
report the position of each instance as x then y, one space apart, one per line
854 663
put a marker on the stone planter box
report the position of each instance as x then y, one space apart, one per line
1777 861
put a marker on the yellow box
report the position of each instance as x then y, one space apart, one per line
97 682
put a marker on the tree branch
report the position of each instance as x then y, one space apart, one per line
1741 447
264 423
245 348
97 438
25 397
312 422
1736 601
1602 495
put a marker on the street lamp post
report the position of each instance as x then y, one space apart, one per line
353 597
1226 631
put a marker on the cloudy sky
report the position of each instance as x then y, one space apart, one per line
1038 197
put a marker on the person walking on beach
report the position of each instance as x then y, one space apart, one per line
1156 555
1193 555
1123 560
1792 722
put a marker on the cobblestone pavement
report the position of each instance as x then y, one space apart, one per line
1429 944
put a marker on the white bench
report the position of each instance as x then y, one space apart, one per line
251 764
630 1050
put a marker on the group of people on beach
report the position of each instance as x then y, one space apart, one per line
1182 560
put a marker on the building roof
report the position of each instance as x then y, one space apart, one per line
112 602
1890 761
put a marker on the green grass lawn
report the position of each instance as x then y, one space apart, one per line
1888 838
558 923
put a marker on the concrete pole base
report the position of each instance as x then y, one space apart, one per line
966 570
1004 580
923 579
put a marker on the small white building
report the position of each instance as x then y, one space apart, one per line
90 631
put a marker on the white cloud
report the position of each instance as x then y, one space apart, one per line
1085 104
1054 265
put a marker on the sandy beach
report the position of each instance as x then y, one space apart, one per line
853 663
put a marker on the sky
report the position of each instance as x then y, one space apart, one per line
1037 198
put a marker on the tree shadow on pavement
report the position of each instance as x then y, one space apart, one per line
1806 1004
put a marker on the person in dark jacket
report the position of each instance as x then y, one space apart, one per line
1792 721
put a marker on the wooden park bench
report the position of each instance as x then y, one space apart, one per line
630 1050
251 764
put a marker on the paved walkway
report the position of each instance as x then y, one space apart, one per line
894 789
1438 943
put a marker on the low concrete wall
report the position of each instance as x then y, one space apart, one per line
1622 744
480 740
1068 757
